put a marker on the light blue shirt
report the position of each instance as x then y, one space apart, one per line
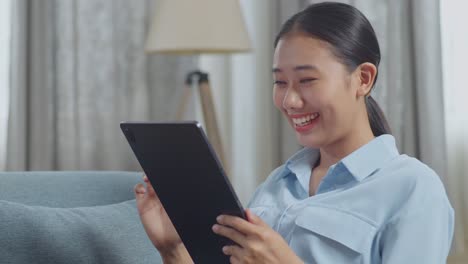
373 206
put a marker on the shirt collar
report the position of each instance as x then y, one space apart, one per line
360 164
367 159
300 165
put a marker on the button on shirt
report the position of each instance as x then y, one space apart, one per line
373 206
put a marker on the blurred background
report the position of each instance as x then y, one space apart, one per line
71 71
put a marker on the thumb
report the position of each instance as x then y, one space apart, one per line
253 218
149 187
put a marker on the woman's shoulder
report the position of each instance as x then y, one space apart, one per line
413 178
411 170
404 186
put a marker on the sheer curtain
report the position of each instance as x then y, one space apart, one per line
456 116
5 25
79 70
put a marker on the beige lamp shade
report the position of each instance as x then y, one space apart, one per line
197 26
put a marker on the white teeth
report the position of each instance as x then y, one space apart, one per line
304 120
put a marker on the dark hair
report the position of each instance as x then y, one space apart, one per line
352 39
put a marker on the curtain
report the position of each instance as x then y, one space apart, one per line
5 28
456 118
79 70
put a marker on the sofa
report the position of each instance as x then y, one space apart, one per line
72 217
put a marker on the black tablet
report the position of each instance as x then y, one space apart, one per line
189 180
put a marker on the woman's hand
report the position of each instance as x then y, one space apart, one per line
158 226
257 242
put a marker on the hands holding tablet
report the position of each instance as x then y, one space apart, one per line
257 242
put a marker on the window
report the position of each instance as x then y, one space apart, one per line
455 57
5 25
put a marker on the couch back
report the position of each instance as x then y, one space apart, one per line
68 188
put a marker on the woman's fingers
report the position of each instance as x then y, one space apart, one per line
139 190
235 253
237 223
149 187
253 218
146 197
230 233
232 250
234 260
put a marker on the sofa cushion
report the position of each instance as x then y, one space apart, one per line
68 188
99 234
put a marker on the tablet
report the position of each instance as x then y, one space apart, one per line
189 180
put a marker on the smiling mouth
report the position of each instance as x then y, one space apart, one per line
305 120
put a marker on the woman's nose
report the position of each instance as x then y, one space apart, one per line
292 99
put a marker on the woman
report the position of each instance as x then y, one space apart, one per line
348 196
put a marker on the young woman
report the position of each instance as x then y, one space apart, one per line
348 196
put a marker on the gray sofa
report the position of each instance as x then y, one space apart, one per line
71 217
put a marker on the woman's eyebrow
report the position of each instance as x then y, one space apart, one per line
305 67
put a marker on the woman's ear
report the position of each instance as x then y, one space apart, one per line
366 73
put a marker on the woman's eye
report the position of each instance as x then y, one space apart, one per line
307 80
279 83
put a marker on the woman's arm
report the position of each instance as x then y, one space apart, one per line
176 256
422 236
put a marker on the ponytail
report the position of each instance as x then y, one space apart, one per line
377 120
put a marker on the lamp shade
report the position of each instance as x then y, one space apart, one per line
197 26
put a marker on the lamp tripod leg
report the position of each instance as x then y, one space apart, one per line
184 102
209 115
201 82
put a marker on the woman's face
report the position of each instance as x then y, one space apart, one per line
314 90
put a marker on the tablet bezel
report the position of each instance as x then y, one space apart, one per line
135 132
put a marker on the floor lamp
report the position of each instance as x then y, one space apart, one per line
199 27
